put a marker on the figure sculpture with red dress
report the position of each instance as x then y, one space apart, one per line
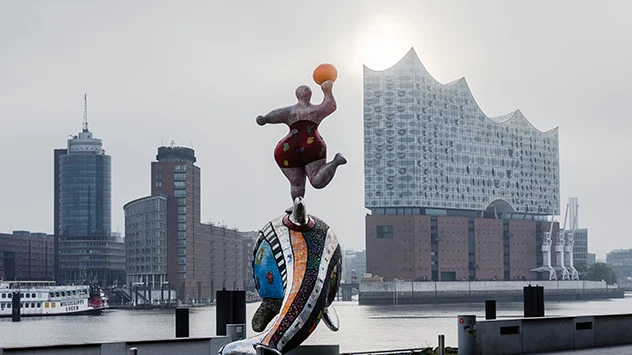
302 153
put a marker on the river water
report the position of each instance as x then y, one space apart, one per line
362 327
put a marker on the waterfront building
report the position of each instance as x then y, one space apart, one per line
452 194
167 243
248 258
580 249
354 266
621 262
27 256
86 250
146 241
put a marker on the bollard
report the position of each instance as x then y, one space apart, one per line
466 329
230 309
441 348
539 301
490 309
533 300
182 322
15 307
133 351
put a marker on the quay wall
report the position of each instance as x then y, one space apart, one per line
547 334
189 346
408 292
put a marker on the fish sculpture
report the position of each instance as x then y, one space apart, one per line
297 265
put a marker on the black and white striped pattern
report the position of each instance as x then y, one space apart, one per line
270 235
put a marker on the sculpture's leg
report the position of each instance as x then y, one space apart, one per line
320 173
267 310
297 179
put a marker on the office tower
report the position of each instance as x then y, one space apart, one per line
86 250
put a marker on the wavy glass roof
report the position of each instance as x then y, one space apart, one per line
429 144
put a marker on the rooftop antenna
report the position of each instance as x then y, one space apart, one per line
85 112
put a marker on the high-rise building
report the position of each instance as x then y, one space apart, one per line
580 249
58 153
165 240
146 241
27 256
175 176
86 250
453 194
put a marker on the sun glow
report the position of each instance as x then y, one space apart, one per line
382 44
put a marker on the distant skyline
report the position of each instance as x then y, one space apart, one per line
199 73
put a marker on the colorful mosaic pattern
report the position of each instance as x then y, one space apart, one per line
311 260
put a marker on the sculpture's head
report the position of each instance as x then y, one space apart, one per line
304 94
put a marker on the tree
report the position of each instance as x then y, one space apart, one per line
581 267
601 271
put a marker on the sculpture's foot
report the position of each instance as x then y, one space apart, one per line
267 310
340 159
289 210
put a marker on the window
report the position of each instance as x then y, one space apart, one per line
4 295
179 184
182 226
32 295
182 218
384 232
182 202
182 209
158 184
28 295
39 305
182 235
179 176
180 193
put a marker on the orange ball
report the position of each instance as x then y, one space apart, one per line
325 72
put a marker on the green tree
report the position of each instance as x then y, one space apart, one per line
601 271
581 267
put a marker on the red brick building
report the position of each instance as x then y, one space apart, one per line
449 248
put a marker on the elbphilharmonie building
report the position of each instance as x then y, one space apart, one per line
453 194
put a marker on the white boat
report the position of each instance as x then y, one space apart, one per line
44 298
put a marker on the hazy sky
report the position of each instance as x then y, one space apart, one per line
199 72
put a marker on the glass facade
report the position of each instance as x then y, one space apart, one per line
85 195
429 145
87 250
146 240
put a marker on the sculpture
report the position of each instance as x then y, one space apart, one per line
302 153
297 258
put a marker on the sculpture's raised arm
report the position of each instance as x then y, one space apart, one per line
328 106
